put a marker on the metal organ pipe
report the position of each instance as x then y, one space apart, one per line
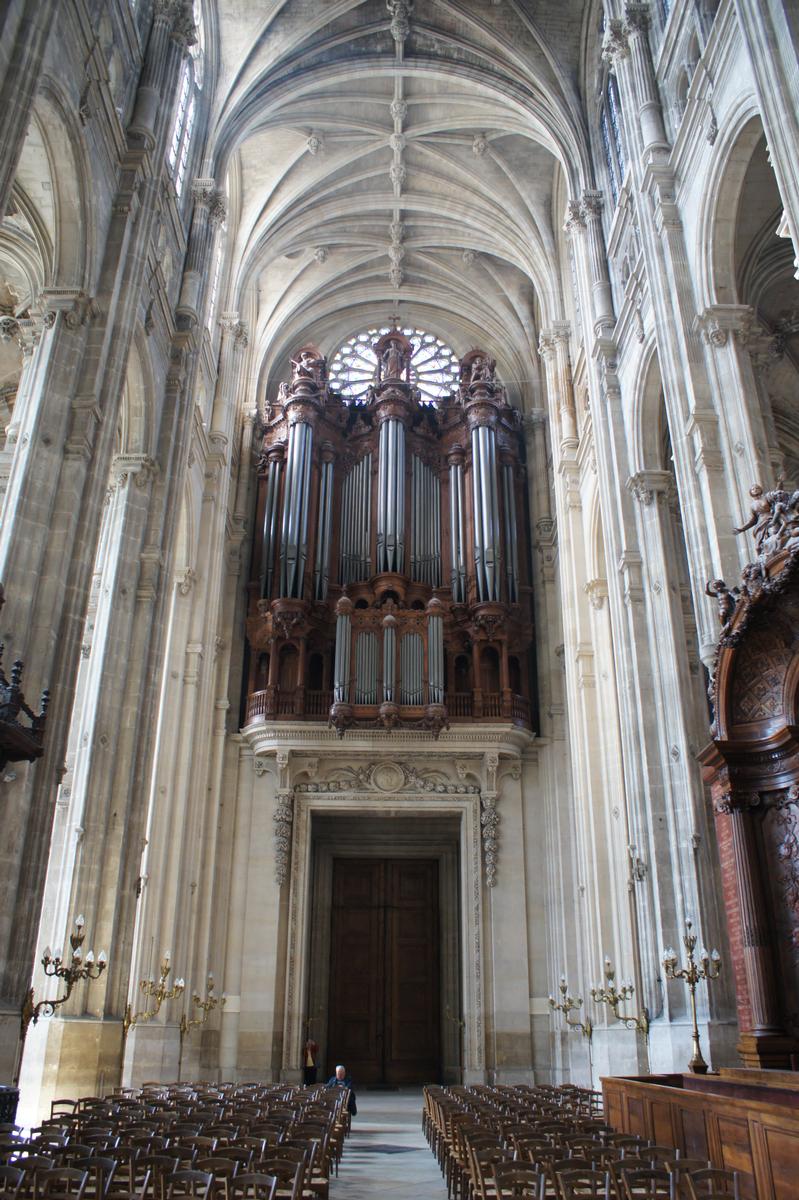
341 664
366 668
356 522
486 513
391 496
511 534
389 659
270 527
321 569
294 534
435 657
425 524
411 669
456 532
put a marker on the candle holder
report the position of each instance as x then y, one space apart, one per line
71 971
206 1006
692 975
614 996
158 991
568 1004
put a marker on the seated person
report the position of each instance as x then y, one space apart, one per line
342 1079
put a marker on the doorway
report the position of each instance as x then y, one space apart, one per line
384 1019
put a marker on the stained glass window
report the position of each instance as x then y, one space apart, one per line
434 366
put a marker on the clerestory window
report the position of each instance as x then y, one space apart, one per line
191 81
610 131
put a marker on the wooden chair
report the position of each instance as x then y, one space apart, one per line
517 1181
289 1177
100 1171
10 1181
713 1183
483 1160
579 1184
61 1183
153 1172
647 1183
223 1171
253 1185
196 1184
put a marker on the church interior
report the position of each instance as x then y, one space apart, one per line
399 463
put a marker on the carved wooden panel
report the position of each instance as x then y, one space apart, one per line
760 669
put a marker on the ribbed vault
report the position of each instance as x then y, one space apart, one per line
398 160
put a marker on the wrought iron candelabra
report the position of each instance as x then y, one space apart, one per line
71 970
158 992
692 975
615 996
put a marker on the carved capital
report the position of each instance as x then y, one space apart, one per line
574 220
615 45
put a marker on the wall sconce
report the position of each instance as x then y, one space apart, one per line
158 991
614 997
72 971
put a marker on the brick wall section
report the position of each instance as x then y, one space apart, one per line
734 928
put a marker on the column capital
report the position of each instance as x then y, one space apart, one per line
591 204
615 46
718 321
573 221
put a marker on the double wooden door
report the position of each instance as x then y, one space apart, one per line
384 1019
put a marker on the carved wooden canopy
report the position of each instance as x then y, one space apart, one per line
752 767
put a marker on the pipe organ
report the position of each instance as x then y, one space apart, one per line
390 583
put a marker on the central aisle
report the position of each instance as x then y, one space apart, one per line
386 1154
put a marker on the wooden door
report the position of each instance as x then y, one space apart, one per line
384 1020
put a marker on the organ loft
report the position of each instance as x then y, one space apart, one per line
390 582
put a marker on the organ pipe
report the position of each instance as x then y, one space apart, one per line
294 533
270 527
425 524
389 661
323 539
435 658
411 669
457 540
366 668
356 524
511 534
487 554
341 666
391 496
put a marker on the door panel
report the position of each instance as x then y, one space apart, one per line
384 1021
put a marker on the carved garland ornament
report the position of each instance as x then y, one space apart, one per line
283 819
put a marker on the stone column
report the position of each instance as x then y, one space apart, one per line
56 492
692 409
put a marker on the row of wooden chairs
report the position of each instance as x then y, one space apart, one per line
230 1142
498 1143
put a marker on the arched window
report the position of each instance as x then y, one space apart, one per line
434 365
191 81
610 129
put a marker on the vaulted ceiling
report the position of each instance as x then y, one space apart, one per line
395 159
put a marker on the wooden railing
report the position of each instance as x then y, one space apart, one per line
271 705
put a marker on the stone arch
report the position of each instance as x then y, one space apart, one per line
136 417
75 234
715 247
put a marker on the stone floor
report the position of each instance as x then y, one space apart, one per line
386 1154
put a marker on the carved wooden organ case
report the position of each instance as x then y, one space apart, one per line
390 582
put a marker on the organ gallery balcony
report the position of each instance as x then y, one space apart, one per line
303 703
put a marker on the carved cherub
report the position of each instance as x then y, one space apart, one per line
727 599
